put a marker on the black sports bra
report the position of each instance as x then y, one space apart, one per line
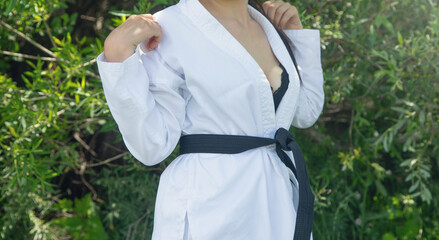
280 92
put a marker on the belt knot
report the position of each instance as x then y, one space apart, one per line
284 139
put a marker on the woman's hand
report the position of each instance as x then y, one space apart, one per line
283 15
122 41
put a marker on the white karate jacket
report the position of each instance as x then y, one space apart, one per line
200 79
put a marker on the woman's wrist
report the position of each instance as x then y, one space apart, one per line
117 52
294 28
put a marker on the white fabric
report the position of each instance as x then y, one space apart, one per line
202 80
187 233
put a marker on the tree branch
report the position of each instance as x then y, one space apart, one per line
84 144
49 33
22 55
107 160
39 46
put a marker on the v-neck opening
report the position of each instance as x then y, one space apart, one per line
280 92
223 39
240 44
281 78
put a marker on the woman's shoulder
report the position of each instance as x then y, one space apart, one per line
175 35
176 29
169 16
175 24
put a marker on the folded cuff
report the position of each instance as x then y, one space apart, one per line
112 72
309 34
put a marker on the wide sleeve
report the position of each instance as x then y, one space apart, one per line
146 99
305 44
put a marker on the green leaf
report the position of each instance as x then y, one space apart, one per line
388 25
11 5
421 117
83 206
381 189
95 229
58 42
425 174
400 40
65 205
121 13
426 195
388 236
405 163
399 109
414 186
409 230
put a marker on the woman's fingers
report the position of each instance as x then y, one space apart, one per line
144 28
156 36
156 32
283 15
270 9
123 40
287 16
147 15
280 14
152 43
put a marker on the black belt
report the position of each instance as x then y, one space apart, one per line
284 140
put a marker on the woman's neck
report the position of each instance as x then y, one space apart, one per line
229 10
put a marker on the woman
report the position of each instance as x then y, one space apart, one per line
206 67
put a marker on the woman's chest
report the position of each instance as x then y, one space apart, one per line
254 40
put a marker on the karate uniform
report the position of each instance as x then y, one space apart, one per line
201 80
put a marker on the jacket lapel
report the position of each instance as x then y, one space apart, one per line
287 106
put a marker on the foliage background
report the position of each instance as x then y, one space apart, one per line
373 155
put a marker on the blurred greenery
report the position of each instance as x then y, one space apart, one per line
373 156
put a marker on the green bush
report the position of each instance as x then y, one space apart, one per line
373 156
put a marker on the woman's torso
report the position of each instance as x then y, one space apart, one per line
227 90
